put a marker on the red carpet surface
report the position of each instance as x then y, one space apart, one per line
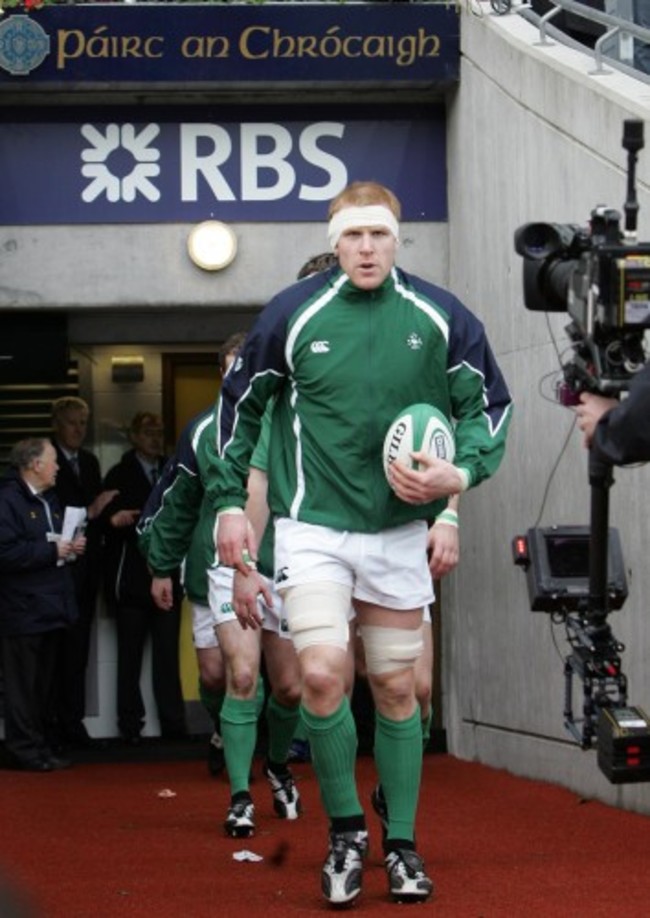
146 839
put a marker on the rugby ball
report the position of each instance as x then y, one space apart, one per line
418 428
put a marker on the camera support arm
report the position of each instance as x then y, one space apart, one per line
601 479
632 142
595 656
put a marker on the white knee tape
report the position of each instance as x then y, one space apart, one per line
390 649
317 613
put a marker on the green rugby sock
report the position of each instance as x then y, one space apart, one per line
281 722
300 733
239 734
398 756
333 743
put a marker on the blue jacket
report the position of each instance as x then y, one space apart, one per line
36 595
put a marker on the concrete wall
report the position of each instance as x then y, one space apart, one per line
532 136
141 267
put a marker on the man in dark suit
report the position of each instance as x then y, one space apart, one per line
78 484
37 602
128 582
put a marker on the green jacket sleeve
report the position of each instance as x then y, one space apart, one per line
167 538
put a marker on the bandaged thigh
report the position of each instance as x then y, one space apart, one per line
317 614
390 649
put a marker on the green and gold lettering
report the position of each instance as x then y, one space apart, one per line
283 45
307 46
70 45
406 48
205 46
330 44
374 46
149 46
193 46
132 46
428 45
244 42
349 43
218 46
99 45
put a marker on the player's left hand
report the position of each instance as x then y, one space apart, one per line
438 479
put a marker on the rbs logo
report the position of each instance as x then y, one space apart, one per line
244 162
264 150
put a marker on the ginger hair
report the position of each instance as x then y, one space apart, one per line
362 194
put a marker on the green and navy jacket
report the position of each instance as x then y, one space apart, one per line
177 525
175 528
342 363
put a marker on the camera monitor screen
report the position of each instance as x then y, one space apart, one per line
568 555
558 574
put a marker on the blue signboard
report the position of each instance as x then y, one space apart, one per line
153 165
230 45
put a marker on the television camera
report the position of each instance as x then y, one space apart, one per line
600 276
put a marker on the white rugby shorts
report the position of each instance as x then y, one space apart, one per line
220 581
203 627
388 568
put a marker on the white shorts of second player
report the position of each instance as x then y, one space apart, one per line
220 582
203 627
388 568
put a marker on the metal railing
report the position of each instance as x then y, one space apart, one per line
12 4
623 42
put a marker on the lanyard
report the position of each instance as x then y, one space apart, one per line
47 512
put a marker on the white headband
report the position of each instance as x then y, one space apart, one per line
355 217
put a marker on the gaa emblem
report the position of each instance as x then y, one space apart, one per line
24 45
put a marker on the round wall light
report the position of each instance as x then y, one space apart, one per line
212 245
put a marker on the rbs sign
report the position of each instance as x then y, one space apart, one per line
265 169
155 171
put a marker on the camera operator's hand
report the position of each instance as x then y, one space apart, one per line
439 479
590 410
